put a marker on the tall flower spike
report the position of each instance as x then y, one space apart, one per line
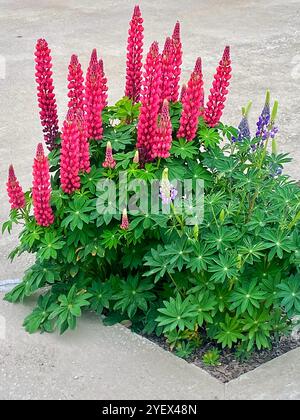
167 192
84 152
243 127
70 156
109 159
191 103
104 87
150 103
167 77
94 98
14 190
45 93
163 139
125 222
182 92
219 90
41 190
134 56
75 84
177 61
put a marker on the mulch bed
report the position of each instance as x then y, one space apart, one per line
231 368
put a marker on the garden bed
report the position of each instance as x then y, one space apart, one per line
230 366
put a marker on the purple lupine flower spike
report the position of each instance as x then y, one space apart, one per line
167 192
243 127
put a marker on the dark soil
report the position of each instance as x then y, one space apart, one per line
230 367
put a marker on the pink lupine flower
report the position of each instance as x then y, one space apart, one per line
41 190
150 103
70 157
167 77
84 150
125 222
104 87
109 159
177 61
182 92
191 102
45 93
219 90
163 139
14 190
95 97
75 84
134 56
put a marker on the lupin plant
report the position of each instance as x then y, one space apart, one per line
153 211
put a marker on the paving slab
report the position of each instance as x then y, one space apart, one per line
278 379
93 362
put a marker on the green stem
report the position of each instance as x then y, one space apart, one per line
175 284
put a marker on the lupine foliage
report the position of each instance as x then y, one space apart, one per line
233 278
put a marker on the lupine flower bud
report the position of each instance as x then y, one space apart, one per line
75 85
45 93
177 61
70 156
266 123
125 222
134 56
14 190
166 190
243 127
109 159
167 77
95 97
219 90
41 190
191 104
150 100
136 158
163 138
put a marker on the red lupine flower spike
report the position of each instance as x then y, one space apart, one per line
41 190
109 159
182 93
45 93
14 190
75 84
134 56
177 61
104 87
70 155
191 103
95 97
167 78
125 222
150 103
84 152
219 90
163 139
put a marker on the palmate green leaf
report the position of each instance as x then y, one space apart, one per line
200 257
246 298
50 244
68 308
259 220
230 332
90 180
278 242
134 294
120 138
177 313
39 317
251 250
205 303
78 213
101 296
110 238
177 254
158 264
184 149
224 267
270 287
290 295
222 238
258 329
209 137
